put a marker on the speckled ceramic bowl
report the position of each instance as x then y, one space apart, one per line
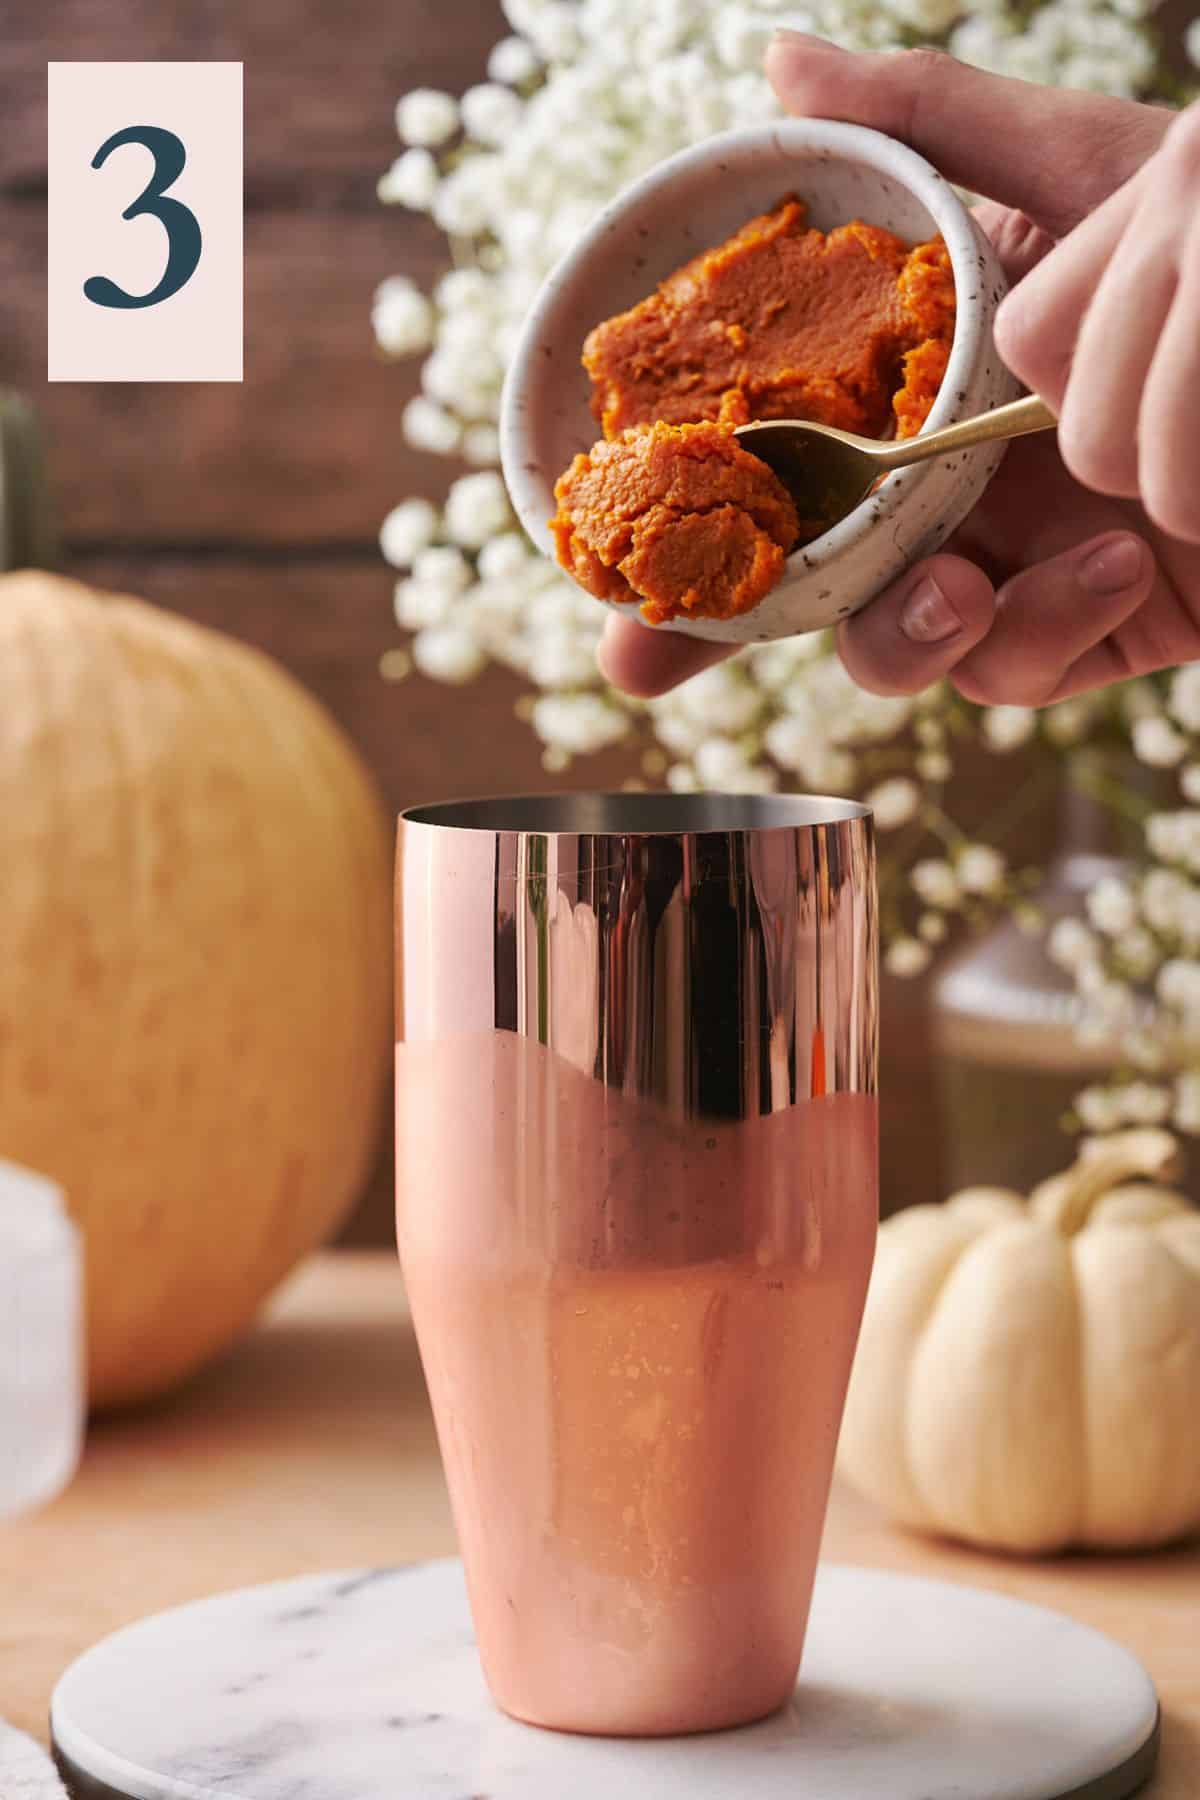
693 201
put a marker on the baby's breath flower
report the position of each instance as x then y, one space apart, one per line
1178 985
930 17
579 723
720 764
790 741
935 882
932 927
464 290
1136 953
1110 1002
476 509
740 36
1111 906
411 181
428 426
906 956
447 653
1008 727
550 25
934 766
1098 1109
1175 837
490 112
1143 1103
1156 741
465 197
1071 944
408 529
419 605
720 697
513 61
503 556
1144 1049
980 868
426 116
1163 896
445 567
1184 701
481 444
681 778
894 802
559 660
401 316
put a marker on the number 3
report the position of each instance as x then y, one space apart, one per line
177 220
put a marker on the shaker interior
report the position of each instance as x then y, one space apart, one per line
641 814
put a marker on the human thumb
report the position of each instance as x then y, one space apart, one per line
1051 153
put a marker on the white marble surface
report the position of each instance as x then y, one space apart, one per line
365 1686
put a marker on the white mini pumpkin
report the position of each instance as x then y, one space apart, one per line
1028 1372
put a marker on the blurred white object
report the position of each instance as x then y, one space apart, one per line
41 1341
26 1772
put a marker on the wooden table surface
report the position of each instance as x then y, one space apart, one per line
312 1447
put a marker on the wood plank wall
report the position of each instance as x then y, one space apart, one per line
255 508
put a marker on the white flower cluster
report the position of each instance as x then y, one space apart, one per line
1069 42
781 710
580 99
943 886
473 591
1135 959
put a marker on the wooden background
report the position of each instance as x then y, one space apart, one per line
255 508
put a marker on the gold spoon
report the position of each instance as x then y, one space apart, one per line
829 472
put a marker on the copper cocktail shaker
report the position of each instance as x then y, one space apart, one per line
636 1201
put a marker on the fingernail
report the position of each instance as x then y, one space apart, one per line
927 617
1115 566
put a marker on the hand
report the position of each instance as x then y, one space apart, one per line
1081 564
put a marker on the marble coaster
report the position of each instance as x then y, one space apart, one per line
366 1686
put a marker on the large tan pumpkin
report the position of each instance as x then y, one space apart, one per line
195 968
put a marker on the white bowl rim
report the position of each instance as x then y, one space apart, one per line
858 143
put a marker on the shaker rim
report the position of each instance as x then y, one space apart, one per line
636 814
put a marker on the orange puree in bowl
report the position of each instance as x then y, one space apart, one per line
779 322
679 517
849 328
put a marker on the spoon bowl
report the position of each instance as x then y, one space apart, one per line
695 200
829 472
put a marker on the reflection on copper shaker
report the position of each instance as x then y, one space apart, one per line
636 1201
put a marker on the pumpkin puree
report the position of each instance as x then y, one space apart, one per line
679 517
850 328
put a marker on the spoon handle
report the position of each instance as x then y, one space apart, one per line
1016 419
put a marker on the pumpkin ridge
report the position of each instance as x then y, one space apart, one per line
970 1428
